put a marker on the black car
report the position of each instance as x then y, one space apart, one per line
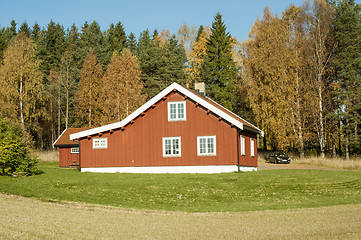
278 157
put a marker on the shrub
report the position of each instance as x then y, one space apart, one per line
14 158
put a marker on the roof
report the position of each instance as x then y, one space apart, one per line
205 102
64 140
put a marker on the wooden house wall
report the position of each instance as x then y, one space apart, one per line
66 157
140 143
247 160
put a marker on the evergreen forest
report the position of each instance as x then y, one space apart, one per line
296 77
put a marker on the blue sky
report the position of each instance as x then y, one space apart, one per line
138 15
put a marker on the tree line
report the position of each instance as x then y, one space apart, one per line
297 76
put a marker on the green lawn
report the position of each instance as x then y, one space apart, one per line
271 189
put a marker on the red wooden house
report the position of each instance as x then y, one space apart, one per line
176 131
68 149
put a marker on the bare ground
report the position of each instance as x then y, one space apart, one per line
26 218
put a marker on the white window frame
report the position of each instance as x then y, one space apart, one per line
100 143
252 147
74 150
179 154
243 145
177 118
207 153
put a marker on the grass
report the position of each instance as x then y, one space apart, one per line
46 155
337 163
327 162
28 218
229 192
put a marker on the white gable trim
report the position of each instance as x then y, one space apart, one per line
59 136
152 101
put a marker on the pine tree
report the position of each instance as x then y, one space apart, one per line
348 65
88 104
219 69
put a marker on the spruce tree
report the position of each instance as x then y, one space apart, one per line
348 65
24 28
219 69
131 43
116 38
161 64
35 32
91 37
52 47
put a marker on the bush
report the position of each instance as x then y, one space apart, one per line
14 158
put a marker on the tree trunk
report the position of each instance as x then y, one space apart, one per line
347 140
299 120
21 103
347 147
59 113
320 104
67 98
52 123
90 107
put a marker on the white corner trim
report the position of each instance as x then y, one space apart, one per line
154 100
171 169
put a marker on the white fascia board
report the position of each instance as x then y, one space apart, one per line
209 106
59 136
152 101
261 132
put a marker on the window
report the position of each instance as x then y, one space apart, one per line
252 147
100 143
177 111
171 147
206 146
74 150
243 146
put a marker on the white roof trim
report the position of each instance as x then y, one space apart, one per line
152 101
59 136
253 126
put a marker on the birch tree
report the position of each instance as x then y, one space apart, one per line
21 86
122 87
89 106
320 16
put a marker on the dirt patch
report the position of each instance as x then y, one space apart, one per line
28 218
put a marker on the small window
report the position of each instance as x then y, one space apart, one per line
171 147
100 143
177 111
252 147
206 146
243 146
74 150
